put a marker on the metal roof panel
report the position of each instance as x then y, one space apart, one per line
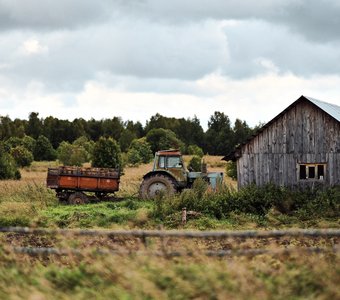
331 109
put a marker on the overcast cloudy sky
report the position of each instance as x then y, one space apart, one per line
133 58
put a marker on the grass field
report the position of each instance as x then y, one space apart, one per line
29 203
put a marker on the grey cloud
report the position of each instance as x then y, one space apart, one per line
51 14
169 40
316 20
252 41
137 49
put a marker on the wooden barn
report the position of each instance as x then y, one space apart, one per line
299 147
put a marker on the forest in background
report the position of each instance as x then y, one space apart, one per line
219 139
119 142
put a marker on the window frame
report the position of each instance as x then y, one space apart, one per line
311 168
179 165
163 162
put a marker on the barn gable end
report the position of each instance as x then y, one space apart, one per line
299 147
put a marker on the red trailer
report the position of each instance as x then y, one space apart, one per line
72 183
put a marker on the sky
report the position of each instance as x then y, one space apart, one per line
134 58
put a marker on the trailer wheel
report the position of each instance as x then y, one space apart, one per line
77 198
155 185
63 195
101 195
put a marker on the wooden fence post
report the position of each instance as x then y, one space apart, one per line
184 215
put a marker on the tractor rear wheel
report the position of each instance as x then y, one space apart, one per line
157 185
77 198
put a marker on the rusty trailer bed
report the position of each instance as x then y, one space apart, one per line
83 179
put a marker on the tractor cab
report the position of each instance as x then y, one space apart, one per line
171 161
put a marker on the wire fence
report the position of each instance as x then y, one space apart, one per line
35 251
143 235
178 233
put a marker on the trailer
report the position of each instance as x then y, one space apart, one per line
72 184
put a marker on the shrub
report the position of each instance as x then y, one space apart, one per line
162 139
139 152
29 143
72 155
64 152
22 156
252 200
13 142
87 144
195 164
43 149
134 157
195 150
8 166
231 170
126 139
106 154
258 200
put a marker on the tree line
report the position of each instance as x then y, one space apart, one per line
73 142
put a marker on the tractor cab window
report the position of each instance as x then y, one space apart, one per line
174 162
161 162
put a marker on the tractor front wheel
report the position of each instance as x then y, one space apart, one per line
157 185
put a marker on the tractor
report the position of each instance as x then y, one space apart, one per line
169 175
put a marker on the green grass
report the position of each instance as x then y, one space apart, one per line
104 214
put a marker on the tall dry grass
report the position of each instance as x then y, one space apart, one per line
21 199
149 277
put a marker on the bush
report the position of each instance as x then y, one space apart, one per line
22 156
106 154
43 149
139 152
258 200
195 164
163 139
195 150
84 142
134 157
231 169
126 139
13 142
29 143
72 155
253 200
8 166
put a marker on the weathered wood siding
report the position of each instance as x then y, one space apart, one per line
304 134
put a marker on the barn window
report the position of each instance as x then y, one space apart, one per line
312 171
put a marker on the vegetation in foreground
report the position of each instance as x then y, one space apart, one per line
29 203
147 277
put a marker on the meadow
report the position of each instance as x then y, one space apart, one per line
131 276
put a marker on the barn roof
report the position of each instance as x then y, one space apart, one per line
331 109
